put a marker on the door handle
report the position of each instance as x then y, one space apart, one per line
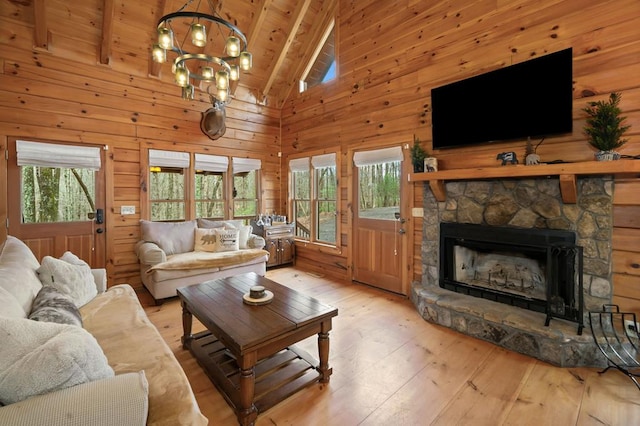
100 216
402 231
99 230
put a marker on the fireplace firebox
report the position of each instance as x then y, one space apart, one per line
534 269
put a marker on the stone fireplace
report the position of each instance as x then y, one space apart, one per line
513 316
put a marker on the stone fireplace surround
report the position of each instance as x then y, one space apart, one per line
521 203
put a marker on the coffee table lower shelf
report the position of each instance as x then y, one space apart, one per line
276 377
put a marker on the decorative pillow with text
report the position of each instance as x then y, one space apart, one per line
226 239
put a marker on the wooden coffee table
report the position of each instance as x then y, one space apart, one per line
247 350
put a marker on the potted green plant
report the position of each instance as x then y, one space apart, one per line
604 127
418 154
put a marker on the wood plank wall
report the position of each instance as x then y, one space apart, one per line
390 55
61 94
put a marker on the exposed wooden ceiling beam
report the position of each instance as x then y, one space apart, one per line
312 46
301 10
258 20
107 31
41 35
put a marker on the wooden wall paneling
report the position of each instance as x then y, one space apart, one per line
626 262
627 192
626 239
390 55
322 263
4 146
627 286
626 216
460 45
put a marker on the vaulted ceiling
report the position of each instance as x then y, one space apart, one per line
282 35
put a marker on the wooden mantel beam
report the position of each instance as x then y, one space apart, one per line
567 173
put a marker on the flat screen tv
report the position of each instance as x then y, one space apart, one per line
530 99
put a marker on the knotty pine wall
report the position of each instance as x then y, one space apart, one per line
63 95
390 54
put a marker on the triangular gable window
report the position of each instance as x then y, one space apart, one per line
322 67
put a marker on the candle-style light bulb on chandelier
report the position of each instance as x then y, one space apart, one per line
192 69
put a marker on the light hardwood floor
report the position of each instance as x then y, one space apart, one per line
390 367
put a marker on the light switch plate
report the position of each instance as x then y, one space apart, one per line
417 212
127 210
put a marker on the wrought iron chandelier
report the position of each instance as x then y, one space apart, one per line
192 69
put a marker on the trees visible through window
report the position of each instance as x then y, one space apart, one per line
210 185
209 188
167 184
166 193
301 200
379 185
217 183
51 194
57 182
379 174
314 197
245 187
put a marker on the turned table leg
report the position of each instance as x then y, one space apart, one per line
247 413
323 351
187 321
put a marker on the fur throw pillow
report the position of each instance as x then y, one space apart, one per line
51 305
73 280
41 357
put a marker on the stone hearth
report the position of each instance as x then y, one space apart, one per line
525 203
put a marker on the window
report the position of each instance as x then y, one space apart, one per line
379 174
326 205
245 187
167 184
322 67
210 171
210 186
301 199
314 203
57 182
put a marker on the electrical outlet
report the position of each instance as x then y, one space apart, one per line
127 210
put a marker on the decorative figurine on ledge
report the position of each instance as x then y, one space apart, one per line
507 157
531 158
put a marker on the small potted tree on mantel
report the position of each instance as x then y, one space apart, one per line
604 127
418 154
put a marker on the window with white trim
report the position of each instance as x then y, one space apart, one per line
57 181
379 173
314 189
245 187
167 183
210 172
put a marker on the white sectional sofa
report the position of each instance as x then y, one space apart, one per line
106 364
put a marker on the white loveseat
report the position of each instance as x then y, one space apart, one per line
108 365
178 254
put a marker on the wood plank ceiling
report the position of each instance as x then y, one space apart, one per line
282 35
